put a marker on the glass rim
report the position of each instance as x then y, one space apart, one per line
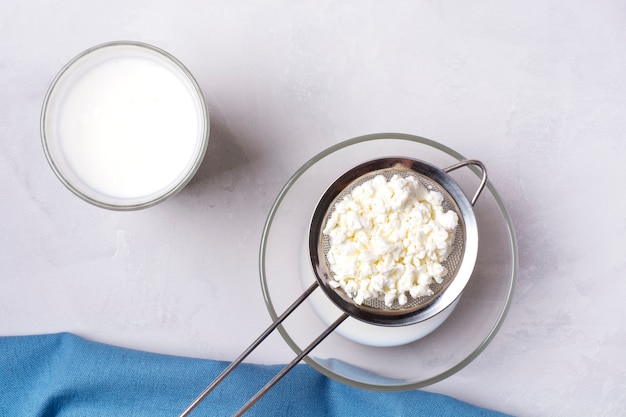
176 186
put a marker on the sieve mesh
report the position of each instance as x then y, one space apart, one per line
452 262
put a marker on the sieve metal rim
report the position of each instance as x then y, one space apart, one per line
470 245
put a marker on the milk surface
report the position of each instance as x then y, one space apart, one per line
126 125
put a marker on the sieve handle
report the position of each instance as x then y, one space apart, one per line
291 364
480 166
250 348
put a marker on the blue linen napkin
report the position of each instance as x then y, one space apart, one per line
65 375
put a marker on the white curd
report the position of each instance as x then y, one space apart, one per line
388 239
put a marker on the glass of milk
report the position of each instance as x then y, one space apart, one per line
124 125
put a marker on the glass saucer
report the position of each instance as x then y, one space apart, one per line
414 360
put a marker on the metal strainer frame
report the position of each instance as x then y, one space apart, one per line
462 258
398 317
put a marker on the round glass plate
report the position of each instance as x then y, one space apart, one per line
479 312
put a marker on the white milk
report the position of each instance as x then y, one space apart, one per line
125 125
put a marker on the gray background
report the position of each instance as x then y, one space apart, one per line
536 90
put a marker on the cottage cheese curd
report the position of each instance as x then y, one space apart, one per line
388 239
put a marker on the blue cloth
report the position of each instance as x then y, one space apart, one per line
65 375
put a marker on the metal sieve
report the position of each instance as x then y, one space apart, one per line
460 261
